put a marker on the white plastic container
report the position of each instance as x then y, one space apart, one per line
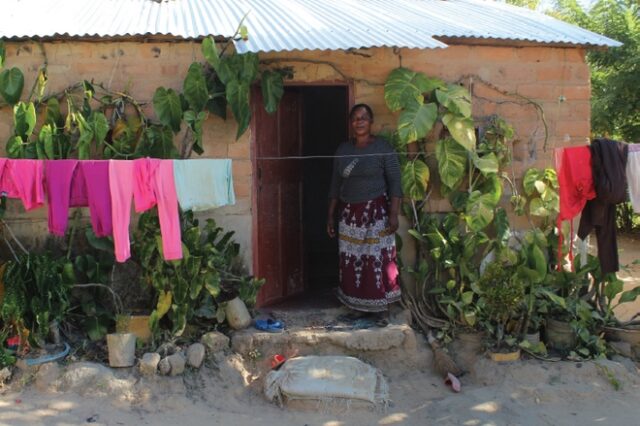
122 349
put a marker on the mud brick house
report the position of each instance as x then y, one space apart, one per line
515 62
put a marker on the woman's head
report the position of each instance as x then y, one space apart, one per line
361 117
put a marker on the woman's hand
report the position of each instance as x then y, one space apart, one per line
331 228
393 223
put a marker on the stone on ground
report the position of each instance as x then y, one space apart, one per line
177 362
215 341
164 366
195 355
149 363
47 376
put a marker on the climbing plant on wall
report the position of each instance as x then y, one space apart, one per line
89 120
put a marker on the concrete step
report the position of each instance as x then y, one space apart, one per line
319 332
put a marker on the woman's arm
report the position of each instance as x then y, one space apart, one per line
394 209
331 225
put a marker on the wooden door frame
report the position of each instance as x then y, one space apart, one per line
255 249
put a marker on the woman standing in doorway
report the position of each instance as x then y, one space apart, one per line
366 189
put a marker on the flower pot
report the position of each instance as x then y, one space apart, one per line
560 335
533 338
470 342
505 356
122 349
629 334
139 325
237 314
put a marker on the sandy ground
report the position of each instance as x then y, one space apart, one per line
227 391
528 392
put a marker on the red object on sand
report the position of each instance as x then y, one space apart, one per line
277 361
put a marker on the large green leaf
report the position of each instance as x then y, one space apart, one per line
612 289
537 208
452 162
41 83
405 87
487 164
238 99
555 298
217 103
99 125
416 121
166 104
3 53
53 115
195 122
538 261
480 210
492 186
45 138
529 180
456 99
210 52
246 66
461 130
14 147
630 295
415 178
11 85
212 283
157 142
272 90
195 87
24 119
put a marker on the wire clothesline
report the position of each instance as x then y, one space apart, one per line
312 157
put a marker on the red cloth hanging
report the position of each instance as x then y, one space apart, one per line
575 179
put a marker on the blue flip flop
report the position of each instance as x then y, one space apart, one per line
269 325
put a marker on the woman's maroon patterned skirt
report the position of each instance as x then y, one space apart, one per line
368 268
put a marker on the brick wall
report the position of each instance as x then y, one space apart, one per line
556 78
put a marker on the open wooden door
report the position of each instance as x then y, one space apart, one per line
278 248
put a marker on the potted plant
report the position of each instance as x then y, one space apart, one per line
122 344
574 325
532 271
502 292
612 295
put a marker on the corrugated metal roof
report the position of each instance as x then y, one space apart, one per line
283 25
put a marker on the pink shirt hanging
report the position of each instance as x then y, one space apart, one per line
154 185
23 179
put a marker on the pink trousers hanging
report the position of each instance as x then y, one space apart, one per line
121 187
154 185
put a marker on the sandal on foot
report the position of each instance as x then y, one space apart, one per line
269 325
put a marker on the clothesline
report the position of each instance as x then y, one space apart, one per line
109 187
313 157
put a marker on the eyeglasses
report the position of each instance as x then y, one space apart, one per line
361 118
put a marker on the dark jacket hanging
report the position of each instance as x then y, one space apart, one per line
608 162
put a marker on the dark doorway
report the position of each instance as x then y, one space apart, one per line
324 128
292 251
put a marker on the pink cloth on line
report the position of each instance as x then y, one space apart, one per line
58 177
154 185
7 188
95 181
24 179
74 183
121 188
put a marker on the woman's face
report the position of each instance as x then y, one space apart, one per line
361 122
